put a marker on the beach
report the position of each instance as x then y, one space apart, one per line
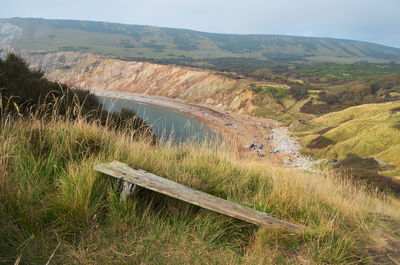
253 138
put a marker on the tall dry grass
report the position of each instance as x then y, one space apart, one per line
53 205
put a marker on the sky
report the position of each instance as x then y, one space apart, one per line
367 20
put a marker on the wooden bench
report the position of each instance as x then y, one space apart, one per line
132 177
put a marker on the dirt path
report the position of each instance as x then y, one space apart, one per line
241 131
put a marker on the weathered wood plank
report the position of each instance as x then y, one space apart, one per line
184 193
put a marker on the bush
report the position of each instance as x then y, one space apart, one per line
298 93
320 142
24 91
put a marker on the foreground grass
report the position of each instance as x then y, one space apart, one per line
55 207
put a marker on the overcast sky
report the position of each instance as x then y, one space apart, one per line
369 20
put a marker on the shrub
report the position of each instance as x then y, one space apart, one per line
298 93
320 142
25 91
397 125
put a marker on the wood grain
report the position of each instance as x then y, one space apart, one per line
187 194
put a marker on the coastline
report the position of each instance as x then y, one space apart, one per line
237 130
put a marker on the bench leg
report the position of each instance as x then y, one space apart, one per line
126 189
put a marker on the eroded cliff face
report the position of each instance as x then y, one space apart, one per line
86 71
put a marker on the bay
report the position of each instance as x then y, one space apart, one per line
166 123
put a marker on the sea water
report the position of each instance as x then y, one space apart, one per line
166 123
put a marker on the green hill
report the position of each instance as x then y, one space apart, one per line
179 45
364 138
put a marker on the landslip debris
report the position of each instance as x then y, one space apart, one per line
286 144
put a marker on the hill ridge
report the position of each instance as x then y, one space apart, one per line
152 42
199 31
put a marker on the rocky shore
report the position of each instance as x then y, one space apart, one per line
270 141
289 146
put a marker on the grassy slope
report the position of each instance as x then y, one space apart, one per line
162 43
51 199
365 130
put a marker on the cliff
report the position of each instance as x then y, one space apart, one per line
86 71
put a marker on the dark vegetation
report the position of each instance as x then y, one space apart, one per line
298 92
244 66
395 110
319 109
127 44
24 91
320 142
335 73
366 170
323 131
154 47
263 90
397 125
367 90
376 89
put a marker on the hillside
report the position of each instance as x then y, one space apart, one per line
183 46
355 135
